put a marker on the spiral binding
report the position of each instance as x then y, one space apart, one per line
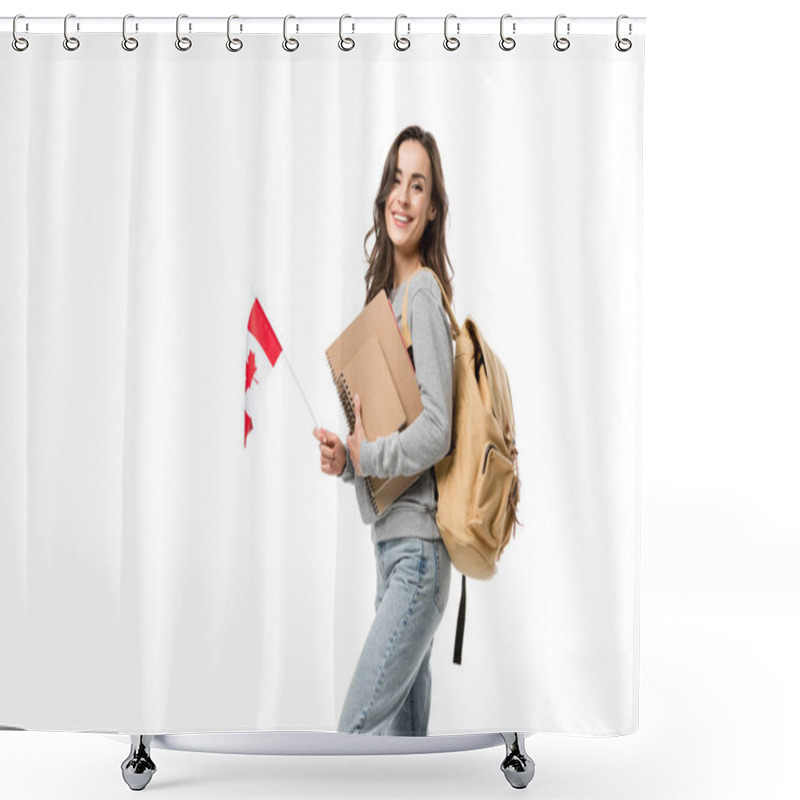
346 44
346 396
342 391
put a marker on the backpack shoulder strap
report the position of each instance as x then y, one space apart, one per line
462 615
454 326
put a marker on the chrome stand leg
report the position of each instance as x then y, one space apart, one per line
138 768
518 766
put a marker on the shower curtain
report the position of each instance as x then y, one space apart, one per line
162 575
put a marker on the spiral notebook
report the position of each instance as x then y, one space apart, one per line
370 359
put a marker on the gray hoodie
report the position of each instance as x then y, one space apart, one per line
427 439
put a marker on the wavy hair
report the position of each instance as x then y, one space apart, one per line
433 248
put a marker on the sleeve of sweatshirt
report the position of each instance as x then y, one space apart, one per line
427 439
348 474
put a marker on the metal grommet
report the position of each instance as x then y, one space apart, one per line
70 42
623 45
181 42
290 45
561 43
401 43
18 43
346 43
234 45
506 42
451 42
128 42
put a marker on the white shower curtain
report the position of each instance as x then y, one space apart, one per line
159 577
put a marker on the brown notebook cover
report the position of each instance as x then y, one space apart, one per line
369 358
367 371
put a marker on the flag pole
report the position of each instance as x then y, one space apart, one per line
288 364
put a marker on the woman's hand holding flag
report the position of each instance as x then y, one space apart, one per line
333 457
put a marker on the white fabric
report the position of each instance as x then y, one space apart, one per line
159 578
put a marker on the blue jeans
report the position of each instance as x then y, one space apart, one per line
390 692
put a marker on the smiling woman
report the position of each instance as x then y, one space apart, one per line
409 208
390 691
409 215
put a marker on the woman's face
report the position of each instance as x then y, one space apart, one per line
409 206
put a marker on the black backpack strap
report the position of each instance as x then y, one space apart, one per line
462 613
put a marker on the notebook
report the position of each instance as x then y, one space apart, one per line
370 359
368 368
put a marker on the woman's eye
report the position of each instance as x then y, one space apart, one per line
418 187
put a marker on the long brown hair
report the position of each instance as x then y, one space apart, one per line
433 248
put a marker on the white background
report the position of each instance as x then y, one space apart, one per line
720 524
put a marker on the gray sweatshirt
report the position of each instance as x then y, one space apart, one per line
427 439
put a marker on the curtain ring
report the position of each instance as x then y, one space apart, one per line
346 43
506 42
70 42
181 42
18 43
234 45
561 43
623 45
400 43
289 45
128 42
451 42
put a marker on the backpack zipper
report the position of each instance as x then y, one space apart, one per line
486 456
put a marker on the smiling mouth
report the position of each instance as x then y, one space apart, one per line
401 220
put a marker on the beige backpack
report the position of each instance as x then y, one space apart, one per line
477 481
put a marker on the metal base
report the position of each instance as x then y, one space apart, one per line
138 768
518 766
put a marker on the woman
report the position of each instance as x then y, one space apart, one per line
390 692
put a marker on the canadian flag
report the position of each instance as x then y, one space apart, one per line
263 349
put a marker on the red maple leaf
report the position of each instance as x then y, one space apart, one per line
250 370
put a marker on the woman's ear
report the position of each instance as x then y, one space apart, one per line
432 214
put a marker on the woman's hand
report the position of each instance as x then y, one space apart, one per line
333 458
356 437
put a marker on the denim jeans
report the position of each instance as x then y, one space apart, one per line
390 692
